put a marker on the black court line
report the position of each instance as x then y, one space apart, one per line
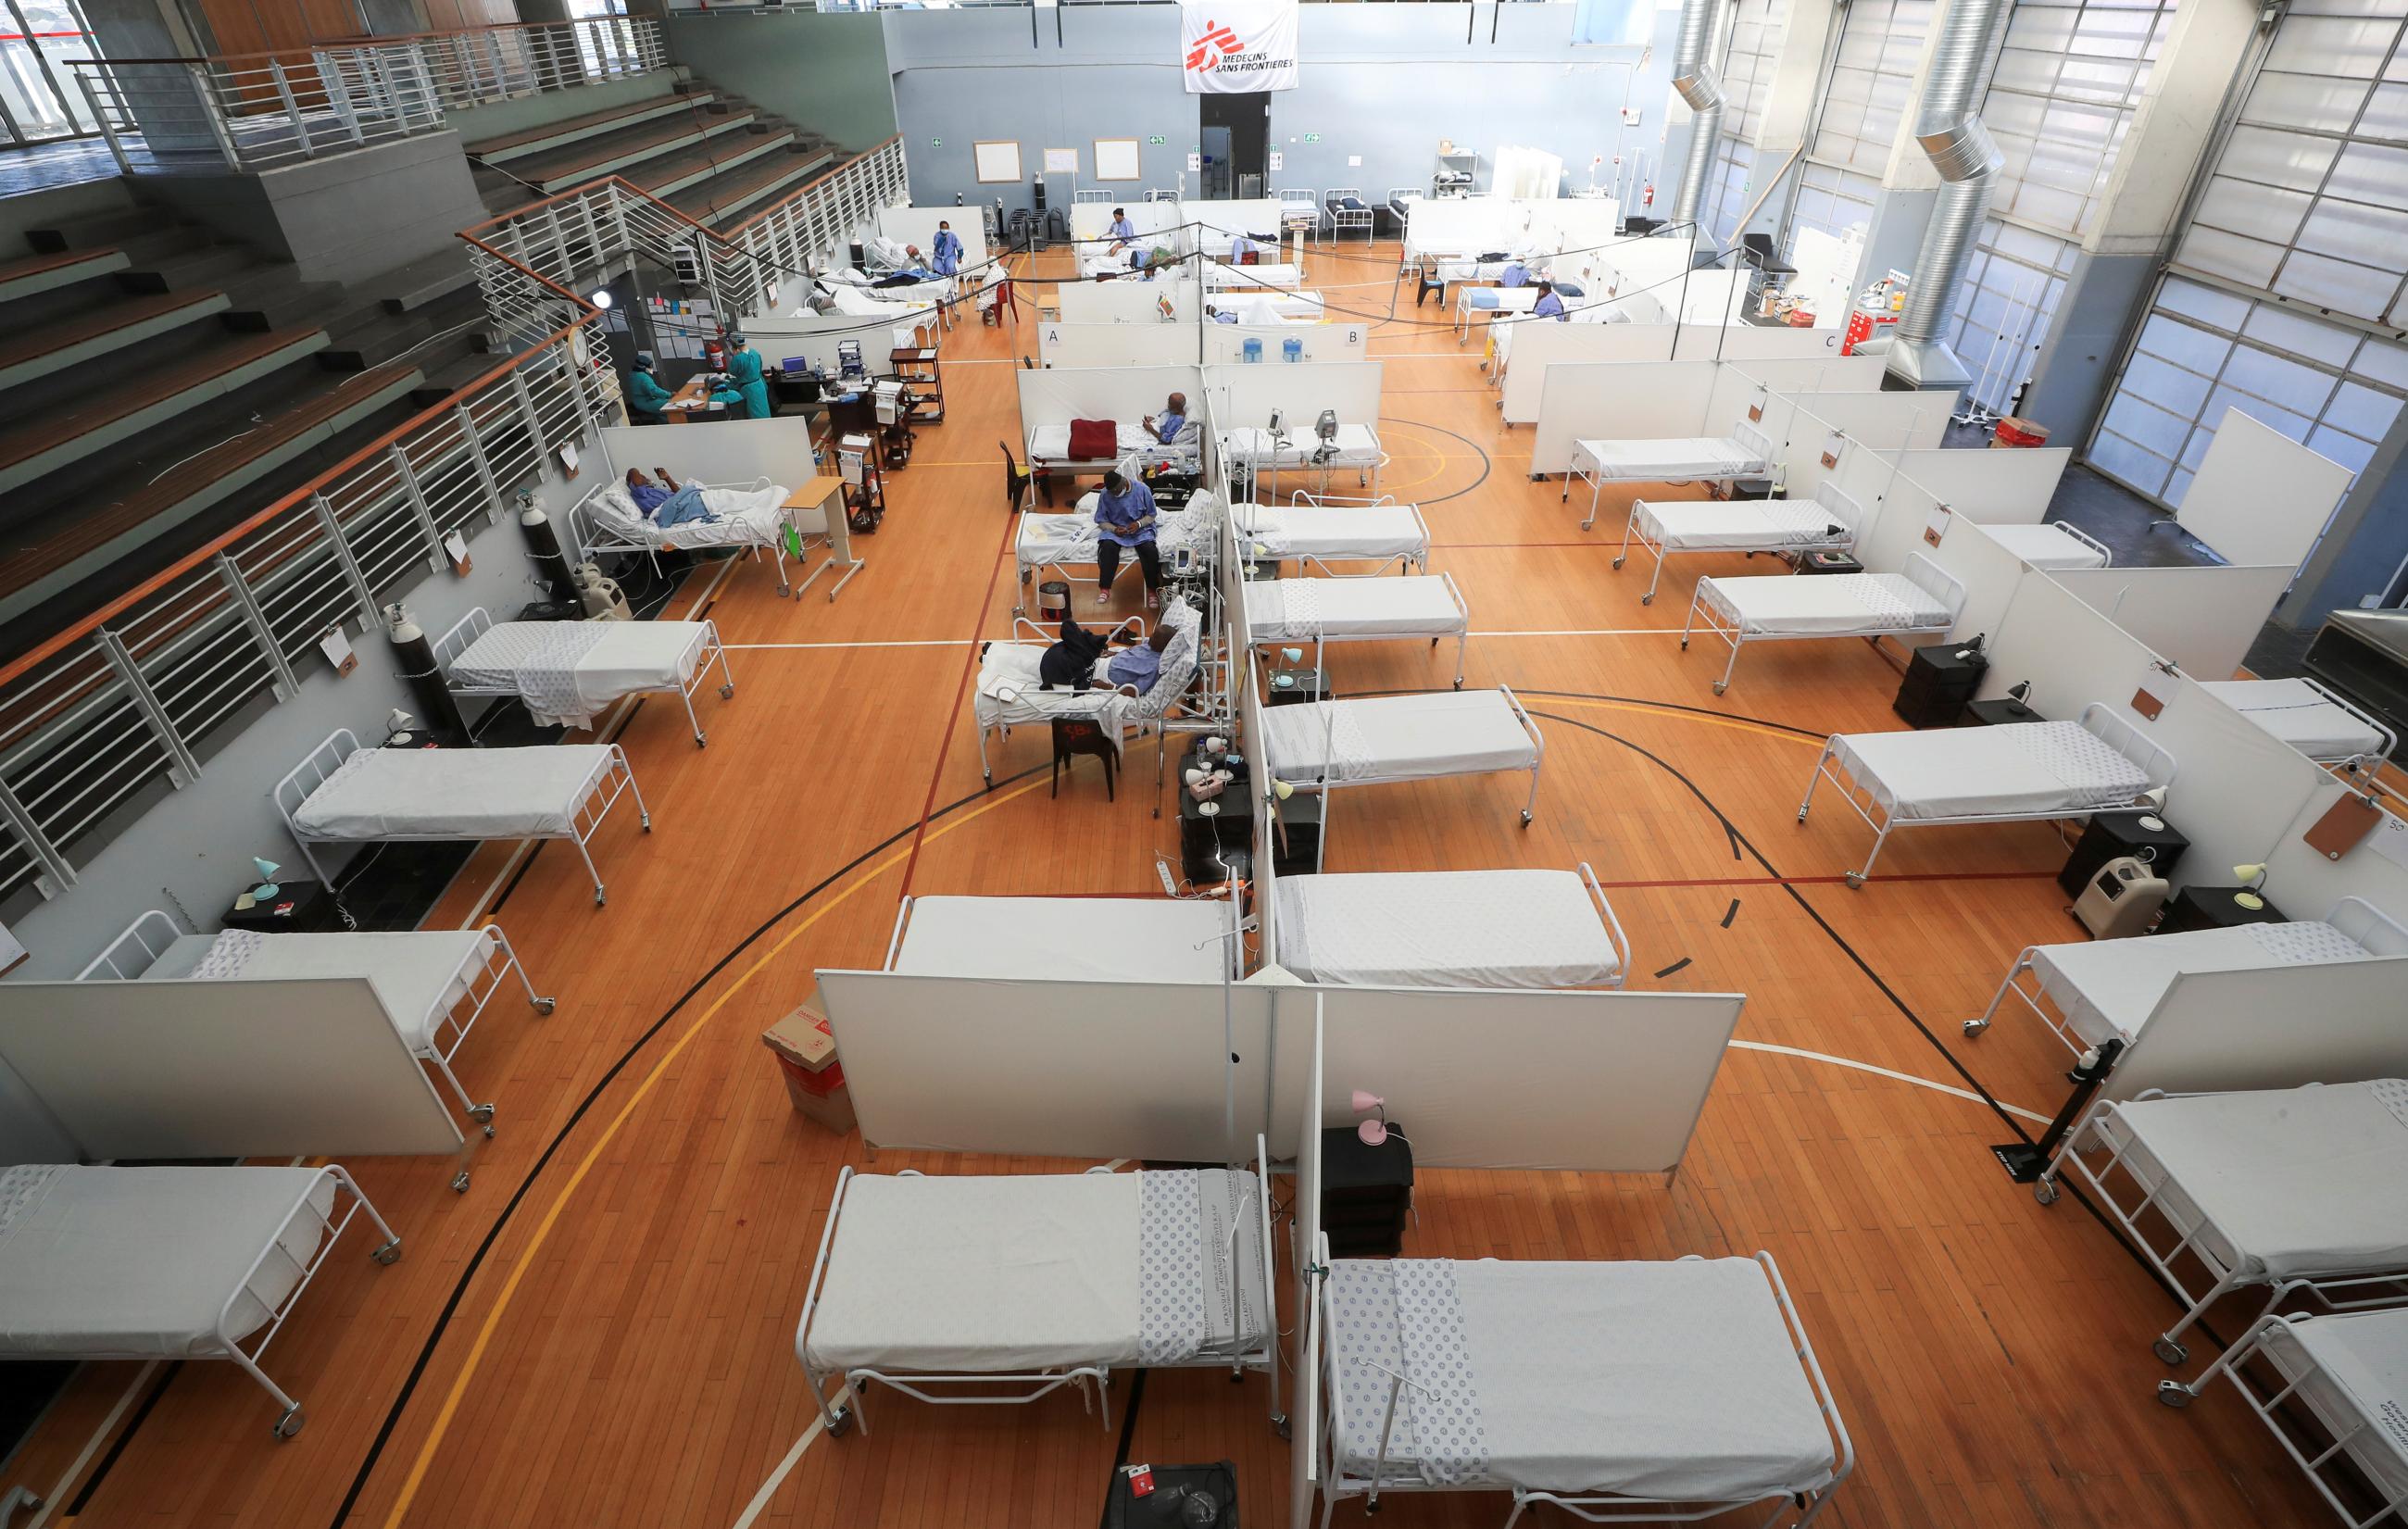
1674 967
1732 914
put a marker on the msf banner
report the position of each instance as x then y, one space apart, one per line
1231 49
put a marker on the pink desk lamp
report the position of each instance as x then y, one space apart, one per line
1376 1131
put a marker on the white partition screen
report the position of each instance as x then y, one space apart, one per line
2261 497
2272 1027
201 1069
1620 401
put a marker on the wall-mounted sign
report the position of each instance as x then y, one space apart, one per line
1234 47
1155 138
936 143
1312 137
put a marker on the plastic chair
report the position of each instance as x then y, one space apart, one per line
1015 482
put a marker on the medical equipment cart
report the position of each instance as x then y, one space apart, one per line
916 367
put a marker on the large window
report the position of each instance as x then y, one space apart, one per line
1872 83
1834 201
1747 73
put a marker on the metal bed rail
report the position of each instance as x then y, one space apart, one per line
1722 619
1846 515
591 536
693 665
1605 911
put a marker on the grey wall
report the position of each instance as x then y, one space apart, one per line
825 73
1382 82
2364 545
2068 386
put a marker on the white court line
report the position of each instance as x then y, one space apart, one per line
778 1478
957 642
1884 1072
92 1447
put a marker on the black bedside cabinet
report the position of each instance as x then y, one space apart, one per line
1937 684
2211 907
1207 841
2111 834
298 908
1366 1193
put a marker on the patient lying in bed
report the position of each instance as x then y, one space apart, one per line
1070 662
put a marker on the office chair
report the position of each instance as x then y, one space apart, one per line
1015 482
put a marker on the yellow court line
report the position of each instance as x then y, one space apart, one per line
1738 723
526 1257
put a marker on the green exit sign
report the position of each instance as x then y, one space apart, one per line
936 143
1155 138
1312 137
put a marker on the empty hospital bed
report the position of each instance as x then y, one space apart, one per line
1383 740
1745 453
1012 692
1264 456
435 983
1325 529
2021 772
2296 1192
2105 990
1360 609
2350 1370
569 672
1344 208
1001 1290
753 517
1224 277
1672 1390
1827 522
1922 600
168 1263
1450 929
2316 721
2053 543
1078 939
342 793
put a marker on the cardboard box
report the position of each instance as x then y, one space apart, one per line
805 1053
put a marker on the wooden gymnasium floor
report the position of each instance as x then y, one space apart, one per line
601 1332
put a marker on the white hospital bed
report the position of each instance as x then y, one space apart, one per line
1300 209
2105 990
1401 204
915 319
1827 522
1046 541
1745 453
1134 449
2053 543
183 1263
1016 1287
1490 303
1296 449
435 983
1344 208
2022 772
2316 721
2351 1370
1322 529
1076 939
1282 276
342 793
1320 746
1268 305
569 672
1922 600
753 517
1010 691
1647 1392
2300 1192
1450 929
1358 609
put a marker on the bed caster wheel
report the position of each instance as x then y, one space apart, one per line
728 693
2044 1191
1974 1027
460 1182
545 1005
1685 645
389 1254
483 1115
1526 817
601 898
1856 881
1371 1506
1649 599
842 1423
702 740
785 592
647 821
2173 1394
1281 1426
1458 681
290 1423
1617 568
1720 687
2170 1351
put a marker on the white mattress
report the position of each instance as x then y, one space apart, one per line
1094 940
981 1274
1269 305
1443 929
1050 444
2109 988
2046 545
1498 299
2364 1357
629 656
1701 525
1356 446
411 970
1672 460
2019 769
1676 1380
141 1260
2298 713
1071 537
2296 1181
1219 277
1825 605
1415 606
1333 532
746 518
1396 737
466 793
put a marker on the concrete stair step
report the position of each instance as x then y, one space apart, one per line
274 297
37 351
425 282
560 168
97 230
57 268
207 266
723 199
535 140
668 173
446 378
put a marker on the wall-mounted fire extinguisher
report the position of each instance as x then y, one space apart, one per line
714 353
1647 198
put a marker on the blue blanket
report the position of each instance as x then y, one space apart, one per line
683 506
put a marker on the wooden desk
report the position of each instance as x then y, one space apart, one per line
693 402
818 510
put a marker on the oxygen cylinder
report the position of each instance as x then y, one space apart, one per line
414 653
543 546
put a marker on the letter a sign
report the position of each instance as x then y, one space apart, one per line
1231 49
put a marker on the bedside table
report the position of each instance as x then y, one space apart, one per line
299 908
1999 713
2212 908
1366 1193
1310 685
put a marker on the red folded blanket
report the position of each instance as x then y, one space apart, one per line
1094 440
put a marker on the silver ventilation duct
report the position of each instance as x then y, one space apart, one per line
1694 79
1949 126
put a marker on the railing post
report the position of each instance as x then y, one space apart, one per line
484 463
108 129
342 549
534 421
338 95
286 686
213 111
409 476
56 874
501 73
292 108
183 768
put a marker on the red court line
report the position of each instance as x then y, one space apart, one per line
1480 545
1836 880
945 744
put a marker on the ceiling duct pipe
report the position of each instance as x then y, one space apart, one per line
1949 126
1694 79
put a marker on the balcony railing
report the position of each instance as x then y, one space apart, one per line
134 699
487 64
